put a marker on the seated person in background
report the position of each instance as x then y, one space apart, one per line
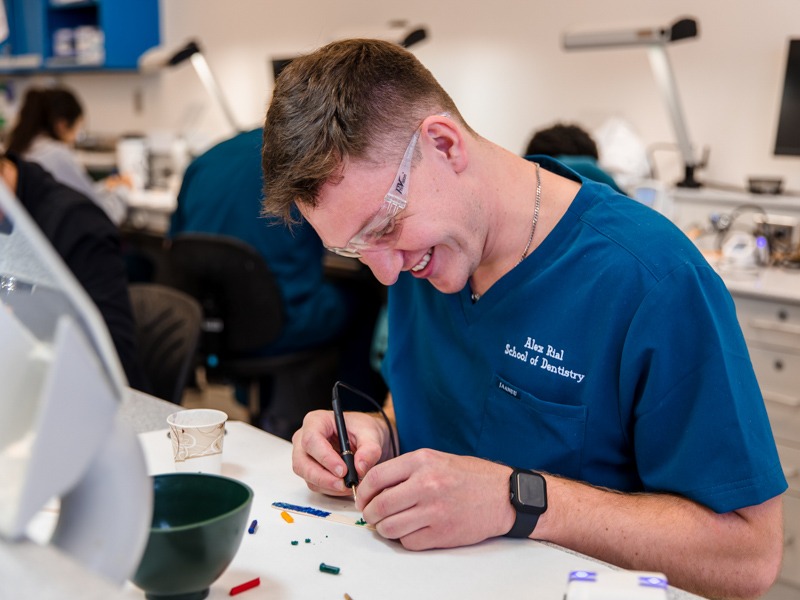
573 147
89 245
221 193
48 125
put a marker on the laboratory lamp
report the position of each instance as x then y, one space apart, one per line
414 37
656 40
159 58
398 32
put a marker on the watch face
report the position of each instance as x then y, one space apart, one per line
530 490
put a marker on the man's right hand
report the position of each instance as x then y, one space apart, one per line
315 449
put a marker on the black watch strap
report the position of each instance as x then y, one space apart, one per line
524 525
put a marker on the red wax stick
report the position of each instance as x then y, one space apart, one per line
246 586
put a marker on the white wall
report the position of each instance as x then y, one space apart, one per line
502 62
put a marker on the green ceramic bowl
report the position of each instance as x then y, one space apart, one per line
198 524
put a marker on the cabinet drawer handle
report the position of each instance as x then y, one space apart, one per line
768 325
788 540
793 401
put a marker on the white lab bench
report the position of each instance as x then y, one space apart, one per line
371 566
692 207
151 209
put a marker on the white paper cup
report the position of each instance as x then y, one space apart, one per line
197 437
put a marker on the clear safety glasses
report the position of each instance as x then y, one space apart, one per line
383 230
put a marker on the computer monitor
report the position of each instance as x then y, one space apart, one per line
788 138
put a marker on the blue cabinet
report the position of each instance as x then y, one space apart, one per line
69 35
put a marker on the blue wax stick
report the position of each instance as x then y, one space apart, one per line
302 509
253 525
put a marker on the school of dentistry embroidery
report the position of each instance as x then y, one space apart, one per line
548 357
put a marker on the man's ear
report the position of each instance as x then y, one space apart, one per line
447 139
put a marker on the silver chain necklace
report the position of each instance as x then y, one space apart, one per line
475 296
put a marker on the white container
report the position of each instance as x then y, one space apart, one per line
132 160
89 45
64 42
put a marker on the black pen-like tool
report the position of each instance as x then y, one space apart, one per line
351 476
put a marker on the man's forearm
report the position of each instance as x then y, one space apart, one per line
732 555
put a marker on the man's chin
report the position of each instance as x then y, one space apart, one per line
447 287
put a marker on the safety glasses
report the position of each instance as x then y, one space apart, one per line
383 230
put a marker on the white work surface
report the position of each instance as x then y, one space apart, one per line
773 283
371 566
151 209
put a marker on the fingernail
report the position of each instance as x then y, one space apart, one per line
339 471
340 486
362 467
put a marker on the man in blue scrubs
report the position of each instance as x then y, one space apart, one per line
221 194
563 364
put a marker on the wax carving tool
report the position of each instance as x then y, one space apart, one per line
351 476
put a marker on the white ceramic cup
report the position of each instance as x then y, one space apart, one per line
197 437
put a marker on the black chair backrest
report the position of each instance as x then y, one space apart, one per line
235 287
167 332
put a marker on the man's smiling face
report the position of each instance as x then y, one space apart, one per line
439 238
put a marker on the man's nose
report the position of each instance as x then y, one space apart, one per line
384 264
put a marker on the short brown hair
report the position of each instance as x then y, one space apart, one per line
350 100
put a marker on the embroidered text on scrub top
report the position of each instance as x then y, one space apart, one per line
551 358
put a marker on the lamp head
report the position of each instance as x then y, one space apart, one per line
681 29
159 57
184 54
398 32
414 37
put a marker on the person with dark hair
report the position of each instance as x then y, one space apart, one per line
89 245
571 146
547 335
48 125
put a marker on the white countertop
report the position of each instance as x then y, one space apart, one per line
157 200
710 195
371 566
772 283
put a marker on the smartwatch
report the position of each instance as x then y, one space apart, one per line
528 494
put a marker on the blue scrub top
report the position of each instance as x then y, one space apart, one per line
221 193
611 355
586 166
